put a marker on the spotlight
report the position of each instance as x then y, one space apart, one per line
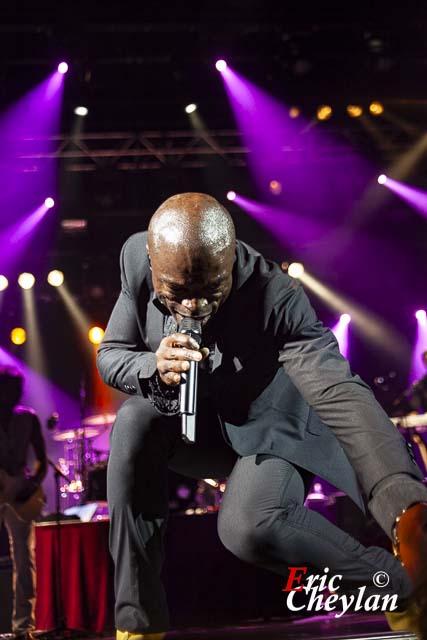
49 203
26 280
324 112
63 67
275 187
354 110
345 318
421 315
296 269
4 282
95 335
81 111
376 108
190 108
55 278
382 179
294 112
18 335
231 195
221 65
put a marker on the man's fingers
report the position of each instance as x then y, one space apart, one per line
174 356
178 366
182 354
170 378
181 340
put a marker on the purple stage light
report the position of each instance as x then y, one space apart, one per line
221 65
27 140
291 151
231 195
287 227
382 179
340 331
416 198
421 316
62 68
420 345
267 128
22 230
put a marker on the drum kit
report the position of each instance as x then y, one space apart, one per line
81 459
85 466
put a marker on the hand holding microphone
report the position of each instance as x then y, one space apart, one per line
177 359
188 391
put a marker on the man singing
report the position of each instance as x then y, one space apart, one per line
277 403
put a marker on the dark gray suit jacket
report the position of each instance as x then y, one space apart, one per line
276 377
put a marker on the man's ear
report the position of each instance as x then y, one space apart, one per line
148 256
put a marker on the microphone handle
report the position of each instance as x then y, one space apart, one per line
188 392
188 403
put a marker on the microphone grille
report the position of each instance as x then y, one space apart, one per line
190 325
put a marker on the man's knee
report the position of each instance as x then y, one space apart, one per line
255 537
136 410
137 420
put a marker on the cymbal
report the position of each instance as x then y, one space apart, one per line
104 419
76 434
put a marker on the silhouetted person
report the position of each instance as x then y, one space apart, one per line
19 431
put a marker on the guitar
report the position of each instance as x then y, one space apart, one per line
11 486
411 421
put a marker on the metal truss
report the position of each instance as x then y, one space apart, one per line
151 150
146 150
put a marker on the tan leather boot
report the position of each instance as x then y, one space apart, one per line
410 547
407 620
126 635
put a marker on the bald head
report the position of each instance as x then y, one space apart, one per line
191 244
192 222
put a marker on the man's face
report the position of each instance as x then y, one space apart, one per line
192 286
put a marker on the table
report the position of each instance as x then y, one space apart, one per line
87 575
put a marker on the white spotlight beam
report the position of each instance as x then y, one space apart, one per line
369 324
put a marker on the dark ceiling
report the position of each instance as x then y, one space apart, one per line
136 64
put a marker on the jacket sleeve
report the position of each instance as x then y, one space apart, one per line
310 355
124 362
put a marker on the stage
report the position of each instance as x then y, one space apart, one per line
252 174
211 593
350 627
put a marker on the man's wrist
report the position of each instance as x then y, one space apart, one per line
164 397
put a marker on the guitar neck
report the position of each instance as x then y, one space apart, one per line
408 422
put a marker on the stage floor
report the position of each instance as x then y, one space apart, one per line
349 627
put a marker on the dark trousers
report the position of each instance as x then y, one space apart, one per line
22 547
262 518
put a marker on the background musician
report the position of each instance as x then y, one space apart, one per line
20 432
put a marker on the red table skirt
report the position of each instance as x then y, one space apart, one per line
87 575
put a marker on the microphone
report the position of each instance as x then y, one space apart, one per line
188 389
